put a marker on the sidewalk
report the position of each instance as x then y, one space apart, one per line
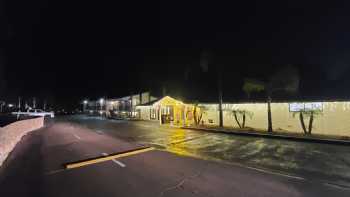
278 135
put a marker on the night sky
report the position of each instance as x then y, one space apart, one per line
65 51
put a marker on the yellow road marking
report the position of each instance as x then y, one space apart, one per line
107 158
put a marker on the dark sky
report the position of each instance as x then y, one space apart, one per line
68 50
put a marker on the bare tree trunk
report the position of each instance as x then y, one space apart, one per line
239 124
301 118
269 117
311 121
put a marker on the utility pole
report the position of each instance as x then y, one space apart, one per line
19 107
19 103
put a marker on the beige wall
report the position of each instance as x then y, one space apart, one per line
11 134
334 119
258 119
211 113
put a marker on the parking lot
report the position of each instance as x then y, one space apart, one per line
181 163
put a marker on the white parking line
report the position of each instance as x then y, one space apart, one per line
276 173
336 186
76 136
115 161
99 132
54 172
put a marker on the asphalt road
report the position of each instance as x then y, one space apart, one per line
35 166
319 162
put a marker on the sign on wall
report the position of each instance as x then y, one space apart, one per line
295 107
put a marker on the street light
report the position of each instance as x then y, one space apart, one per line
101 105
101 101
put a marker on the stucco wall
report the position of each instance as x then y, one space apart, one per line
211 113
258 111
334 119
11 134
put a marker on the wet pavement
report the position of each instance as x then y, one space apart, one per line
313 161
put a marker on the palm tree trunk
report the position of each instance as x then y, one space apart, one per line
301 118
243 123
235 115
195 115
221 116
311 121
269 116
200 118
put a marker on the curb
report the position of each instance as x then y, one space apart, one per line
275 136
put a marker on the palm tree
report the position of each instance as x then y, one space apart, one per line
198 112
286 79
311 115
240 117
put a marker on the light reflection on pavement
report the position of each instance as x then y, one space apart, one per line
175 144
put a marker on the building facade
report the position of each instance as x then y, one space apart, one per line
330 118
167 111
125 107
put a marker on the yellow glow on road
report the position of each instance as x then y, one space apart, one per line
176 142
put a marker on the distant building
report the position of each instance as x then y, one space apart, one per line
124 107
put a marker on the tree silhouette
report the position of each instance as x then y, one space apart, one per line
286 80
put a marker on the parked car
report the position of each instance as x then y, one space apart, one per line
35 112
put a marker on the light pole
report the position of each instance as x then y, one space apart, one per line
85 102
44 105
101 105
19 107
34 102
2 104
19 103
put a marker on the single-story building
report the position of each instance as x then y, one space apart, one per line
168 110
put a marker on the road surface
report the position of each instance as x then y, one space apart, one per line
187 163
330 163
